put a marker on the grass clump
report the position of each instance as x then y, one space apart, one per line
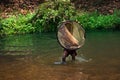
16 24
93 21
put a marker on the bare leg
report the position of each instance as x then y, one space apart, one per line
65 54
73 54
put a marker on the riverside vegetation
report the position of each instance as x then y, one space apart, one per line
49 15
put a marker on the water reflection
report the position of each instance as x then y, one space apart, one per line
32 57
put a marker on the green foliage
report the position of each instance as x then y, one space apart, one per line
91 21
50 14
16 24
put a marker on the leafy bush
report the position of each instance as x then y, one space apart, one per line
50 14
16 24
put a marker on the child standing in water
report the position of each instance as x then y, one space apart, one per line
71 37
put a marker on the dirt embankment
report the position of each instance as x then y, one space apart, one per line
103 6
24 6
18 6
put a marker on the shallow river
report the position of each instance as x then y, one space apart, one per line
33 57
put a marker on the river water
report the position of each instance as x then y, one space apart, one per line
33 57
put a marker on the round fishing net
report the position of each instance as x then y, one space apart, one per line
71 35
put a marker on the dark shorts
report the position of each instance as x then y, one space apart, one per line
70 52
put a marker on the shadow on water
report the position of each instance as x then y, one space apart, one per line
32 57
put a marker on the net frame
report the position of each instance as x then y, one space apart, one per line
62 24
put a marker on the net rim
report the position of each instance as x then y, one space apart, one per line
63 23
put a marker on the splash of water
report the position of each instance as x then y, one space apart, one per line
82 58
